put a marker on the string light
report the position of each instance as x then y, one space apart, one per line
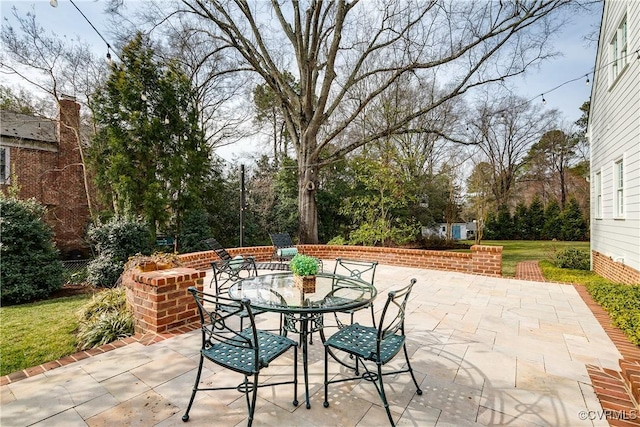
588 81
54 3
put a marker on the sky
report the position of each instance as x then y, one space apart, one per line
576 61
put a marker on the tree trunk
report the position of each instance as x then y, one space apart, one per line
307 186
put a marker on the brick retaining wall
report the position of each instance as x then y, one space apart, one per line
160 300
483 260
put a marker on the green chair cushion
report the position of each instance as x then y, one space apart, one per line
237 262
287 252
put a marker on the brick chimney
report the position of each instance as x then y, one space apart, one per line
70 216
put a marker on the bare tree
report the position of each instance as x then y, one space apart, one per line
505 129
346 55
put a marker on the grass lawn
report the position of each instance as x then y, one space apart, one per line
515 251
33 334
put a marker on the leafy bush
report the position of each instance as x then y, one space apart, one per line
304 265
438 243
115 241
573 258
104 319
622 302
31 267
104 271
121 238
338 241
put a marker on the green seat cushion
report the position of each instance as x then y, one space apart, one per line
237 262
287 252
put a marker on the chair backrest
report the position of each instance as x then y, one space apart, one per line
220 325
394 312
363 270
217 248
281 240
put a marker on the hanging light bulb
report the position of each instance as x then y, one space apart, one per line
143 96
588 81
108 56
544 101
166 120
53 3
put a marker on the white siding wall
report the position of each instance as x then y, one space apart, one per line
614 131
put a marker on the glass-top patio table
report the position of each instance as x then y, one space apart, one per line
278 292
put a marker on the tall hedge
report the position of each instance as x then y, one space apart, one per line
30 266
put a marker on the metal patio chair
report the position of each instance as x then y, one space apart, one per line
245 351
229 269
284 249
363 270
379 345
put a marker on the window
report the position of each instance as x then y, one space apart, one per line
5 171
618 50
619 186
598 195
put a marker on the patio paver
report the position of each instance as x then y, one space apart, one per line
487 351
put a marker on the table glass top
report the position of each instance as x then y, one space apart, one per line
278 292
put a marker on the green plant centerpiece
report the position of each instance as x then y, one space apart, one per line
304 269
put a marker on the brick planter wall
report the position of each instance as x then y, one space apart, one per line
483 260
202 260
614 271
160 300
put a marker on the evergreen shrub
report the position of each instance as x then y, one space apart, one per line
31 267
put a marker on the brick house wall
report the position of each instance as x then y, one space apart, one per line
48 167
615 271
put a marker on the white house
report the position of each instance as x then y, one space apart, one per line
614 135
459 230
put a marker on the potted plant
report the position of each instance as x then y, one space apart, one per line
304 269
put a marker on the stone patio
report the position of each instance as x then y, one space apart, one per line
487 351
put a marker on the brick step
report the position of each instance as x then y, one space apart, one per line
631 374
615 394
